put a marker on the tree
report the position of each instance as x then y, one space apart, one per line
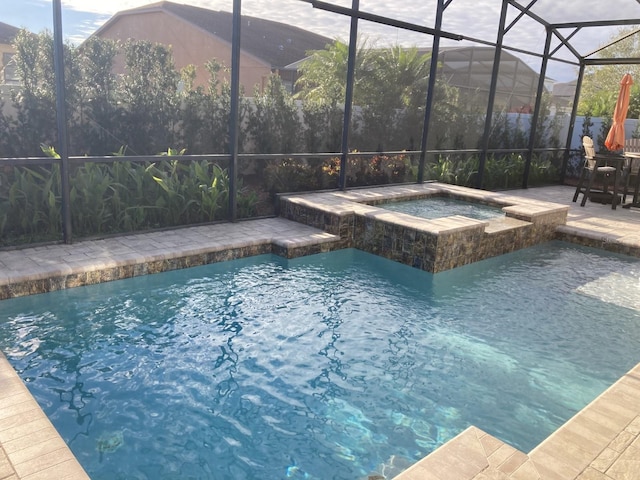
322 88
323 75
205 113
274 124
322 127
390 87
149 93
97 109
392 93
35 101
601 83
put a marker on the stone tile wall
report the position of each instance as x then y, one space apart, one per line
57 267
335 223
431 245
30 285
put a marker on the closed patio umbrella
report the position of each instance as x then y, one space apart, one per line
615 138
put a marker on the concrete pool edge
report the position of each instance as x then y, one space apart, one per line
30 447
602 441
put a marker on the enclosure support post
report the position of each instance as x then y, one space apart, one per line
348 97
572 123
492 94
536 112
430 90
235 109
61 116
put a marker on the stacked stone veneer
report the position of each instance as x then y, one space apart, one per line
431 245
125 269
55 267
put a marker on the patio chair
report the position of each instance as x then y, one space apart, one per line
631 179
631 173
597 165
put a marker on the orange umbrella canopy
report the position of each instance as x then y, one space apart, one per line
615 138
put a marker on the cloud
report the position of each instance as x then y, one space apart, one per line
555 11
472 18
102 7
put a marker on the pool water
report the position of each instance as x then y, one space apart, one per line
332 366
439 207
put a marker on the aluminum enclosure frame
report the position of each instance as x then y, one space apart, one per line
553 30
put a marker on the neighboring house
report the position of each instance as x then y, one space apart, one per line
470 69
563 95
197 35
7 69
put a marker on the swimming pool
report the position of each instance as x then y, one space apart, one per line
439 207
326 366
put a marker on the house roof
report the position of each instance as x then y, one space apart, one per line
474 65
7 33
275 43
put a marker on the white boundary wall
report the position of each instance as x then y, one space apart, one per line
630 127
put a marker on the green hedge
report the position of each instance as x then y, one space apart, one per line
114 198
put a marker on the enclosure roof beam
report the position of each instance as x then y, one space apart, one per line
523 12
349 12
612 61
526 10
598 23
624 37
421 29
565 41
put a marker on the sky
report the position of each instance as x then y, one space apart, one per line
472 18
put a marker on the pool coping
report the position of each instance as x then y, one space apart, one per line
34 449
30 446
